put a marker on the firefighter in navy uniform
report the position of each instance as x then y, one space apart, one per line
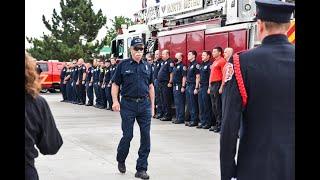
62 84
112 71
89 84
206 113
158 103
100 85
75 76
179 87
107 85
82 71
134 75
67 81
192 88
95 77
260 87
165 85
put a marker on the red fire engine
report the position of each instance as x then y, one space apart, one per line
183 25
50 75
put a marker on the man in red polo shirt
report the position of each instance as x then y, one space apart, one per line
214 86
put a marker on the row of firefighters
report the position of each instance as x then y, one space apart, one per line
195 92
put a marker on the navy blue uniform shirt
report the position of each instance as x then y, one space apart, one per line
101 74
134 78
107 75
165 70
89 74
96 73
63 73
205 72
75 73
157 67
193 70
179 71
113 69
81 70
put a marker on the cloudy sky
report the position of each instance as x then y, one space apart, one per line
34 10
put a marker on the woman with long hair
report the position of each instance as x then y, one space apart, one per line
40 127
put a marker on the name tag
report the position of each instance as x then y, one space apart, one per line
177 87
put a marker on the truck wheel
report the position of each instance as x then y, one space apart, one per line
44 90
52 90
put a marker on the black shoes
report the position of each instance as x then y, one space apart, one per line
187 123
158 116
139 174
177 122
122 167
199 126
89 104
206 127
215 129
193 124
142 175
165 119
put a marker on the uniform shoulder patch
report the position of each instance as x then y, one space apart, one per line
229 72
198 66
83 67
171 65
184 68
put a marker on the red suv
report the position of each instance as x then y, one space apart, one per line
50 75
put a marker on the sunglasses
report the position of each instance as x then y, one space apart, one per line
138 48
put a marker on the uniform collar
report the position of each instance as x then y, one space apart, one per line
141 61
275 39
206 62
194 62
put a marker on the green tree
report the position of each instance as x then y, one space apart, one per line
73 32
116 28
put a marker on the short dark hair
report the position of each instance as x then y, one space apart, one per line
208 53
218 48
193 52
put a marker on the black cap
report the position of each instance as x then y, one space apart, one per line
274 11
136 41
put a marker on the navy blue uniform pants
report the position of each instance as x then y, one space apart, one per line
97 93
166 99
205 106
130 111
179 102
30 173
89 90
107 91
82 93
69 91
75 93
192 103
216 102
103 102
63 90
158 102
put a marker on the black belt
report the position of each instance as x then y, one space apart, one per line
204 84
135 99
177 84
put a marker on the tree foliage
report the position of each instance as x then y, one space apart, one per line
73 32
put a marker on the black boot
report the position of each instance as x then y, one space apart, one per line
142 175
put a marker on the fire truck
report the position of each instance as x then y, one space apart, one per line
50 75
183 25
